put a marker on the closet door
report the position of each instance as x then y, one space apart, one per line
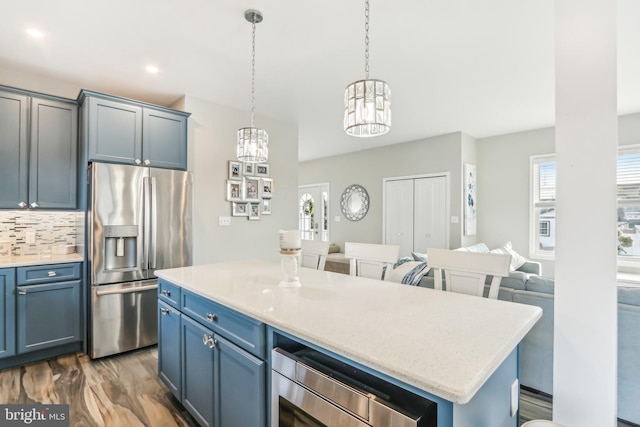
429 211
399 215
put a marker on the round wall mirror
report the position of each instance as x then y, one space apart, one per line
354 202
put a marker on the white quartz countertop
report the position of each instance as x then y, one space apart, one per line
27 260
443 343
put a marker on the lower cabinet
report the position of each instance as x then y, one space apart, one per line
7 318
220 383
47 315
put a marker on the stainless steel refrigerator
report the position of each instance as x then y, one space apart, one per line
139 220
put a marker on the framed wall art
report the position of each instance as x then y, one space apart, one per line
235 170
470 194
262 169
249 168
234 190
251 187
266 207
239 209
254 211
267 187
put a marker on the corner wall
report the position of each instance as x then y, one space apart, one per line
369 167
212 143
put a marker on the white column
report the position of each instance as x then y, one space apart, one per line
585 330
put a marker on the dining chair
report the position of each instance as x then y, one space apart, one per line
368 260
466 272
313 254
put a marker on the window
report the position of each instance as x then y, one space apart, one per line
543 204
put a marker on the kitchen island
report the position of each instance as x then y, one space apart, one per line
457 350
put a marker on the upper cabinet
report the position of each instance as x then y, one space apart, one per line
39 143
118 130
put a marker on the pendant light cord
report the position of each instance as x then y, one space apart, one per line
253 71
366 40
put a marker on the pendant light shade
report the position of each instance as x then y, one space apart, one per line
367 103
253 142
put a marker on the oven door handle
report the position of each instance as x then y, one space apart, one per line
310 403
127 290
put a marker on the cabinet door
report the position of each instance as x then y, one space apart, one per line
164 140
48 315
242 393
7 318
197 371
169 356
53 155
13 146
115 132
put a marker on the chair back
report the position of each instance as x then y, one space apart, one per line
368 260
466 272
314 254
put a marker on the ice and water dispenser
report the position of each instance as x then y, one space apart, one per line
120 247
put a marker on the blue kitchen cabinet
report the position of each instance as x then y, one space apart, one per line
241 378
170 356
212 359
198 365
39 143
7 319
14 146
124 131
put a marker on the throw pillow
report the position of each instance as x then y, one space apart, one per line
417 256
407 272
333 248
517 260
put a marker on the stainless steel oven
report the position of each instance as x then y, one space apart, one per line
311 389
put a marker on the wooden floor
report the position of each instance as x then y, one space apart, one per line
125 391
115 391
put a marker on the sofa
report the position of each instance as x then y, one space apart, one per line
525 285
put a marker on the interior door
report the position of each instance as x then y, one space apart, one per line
311 217
399 215
429 212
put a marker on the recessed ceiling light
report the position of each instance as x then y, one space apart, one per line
152 69
35 33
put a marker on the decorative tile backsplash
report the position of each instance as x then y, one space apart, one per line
51 228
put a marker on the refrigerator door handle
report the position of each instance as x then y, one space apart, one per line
127 290
146 243
154 221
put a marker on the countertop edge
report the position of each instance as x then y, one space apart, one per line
33 260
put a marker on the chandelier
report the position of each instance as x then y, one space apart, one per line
253 142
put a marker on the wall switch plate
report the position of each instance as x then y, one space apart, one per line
515 396
30 237
224 221
454 220
336 218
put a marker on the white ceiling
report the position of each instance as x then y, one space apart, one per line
481 67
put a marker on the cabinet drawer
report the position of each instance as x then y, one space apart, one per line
48 273
169 293
244 331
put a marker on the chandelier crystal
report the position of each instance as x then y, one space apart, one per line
253 142
367 103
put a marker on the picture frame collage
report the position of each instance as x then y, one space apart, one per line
249 189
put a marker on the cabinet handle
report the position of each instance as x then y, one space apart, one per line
22 291
52 274
34 205
205 339
212 342
212 317
147 162
22 205
137 161
166 293
164 310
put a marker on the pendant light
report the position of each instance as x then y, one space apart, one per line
253 142
367 105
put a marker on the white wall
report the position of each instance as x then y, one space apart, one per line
369 167
212 143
